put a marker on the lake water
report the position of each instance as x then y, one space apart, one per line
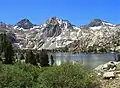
90 60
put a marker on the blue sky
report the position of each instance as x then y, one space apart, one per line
78 12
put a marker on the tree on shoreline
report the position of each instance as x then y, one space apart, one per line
30 58
52 60
6 49
44 59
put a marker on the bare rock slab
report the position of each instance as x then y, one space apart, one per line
108 75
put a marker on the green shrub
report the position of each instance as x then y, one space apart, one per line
18 76
29 76
67 76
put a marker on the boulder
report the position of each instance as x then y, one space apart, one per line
111 66
108 75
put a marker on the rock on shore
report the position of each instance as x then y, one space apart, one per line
109 74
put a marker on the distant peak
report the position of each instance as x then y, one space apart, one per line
25 23
58 21
53 20
25 20
96 20
99 22
3 25
54 17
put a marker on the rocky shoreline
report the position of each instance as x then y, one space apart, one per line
109 74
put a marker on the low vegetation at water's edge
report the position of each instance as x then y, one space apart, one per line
29 76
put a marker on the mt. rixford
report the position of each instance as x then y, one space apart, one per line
57 33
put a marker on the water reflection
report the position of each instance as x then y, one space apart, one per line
90 60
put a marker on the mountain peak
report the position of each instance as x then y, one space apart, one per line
53 20
60 22
25 23
3 25
99 22
95 22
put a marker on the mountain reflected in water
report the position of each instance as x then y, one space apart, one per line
89 60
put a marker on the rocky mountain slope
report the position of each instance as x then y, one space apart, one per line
57 33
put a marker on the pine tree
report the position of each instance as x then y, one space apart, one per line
9 53
30 58
37 57
52 60
1 47
44 59
6 49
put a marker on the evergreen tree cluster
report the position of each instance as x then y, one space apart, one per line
6 50
7 54
42 58
30 58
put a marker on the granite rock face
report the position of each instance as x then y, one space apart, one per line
98 36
